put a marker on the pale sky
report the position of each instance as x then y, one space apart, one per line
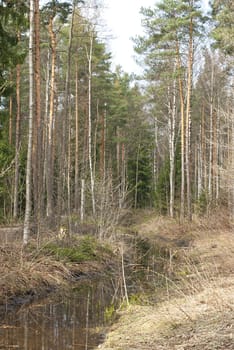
124 21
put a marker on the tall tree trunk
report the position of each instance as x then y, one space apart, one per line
49 167
171 124
217 155
89 56
28 204
37 167
10 121
17 143
69 172
232 170
182 136
203 150
45 129
188 119
85 145
230 158
77 140
137 175
214 156
155 160
199 163
123 176
95 137
103 146
69 116
118 153
211 134
82 200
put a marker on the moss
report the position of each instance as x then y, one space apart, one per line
76 251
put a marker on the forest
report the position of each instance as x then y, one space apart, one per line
116 189
80 141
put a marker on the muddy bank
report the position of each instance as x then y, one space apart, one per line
31 272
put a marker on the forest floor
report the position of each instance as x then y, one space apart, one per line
195 308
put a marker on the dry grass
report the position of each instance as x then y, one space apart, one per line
180 323
198 307
30 272
24 272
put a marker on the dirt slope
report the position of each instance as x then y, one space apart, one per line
198 307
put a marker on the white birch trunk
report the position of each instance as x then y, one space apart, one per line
171 125
188 118
17 143
217 154
46 119
211 134
77 140
82 200
69 117
49 166
28 203
137 173
89 56
199 165
232 171
155 165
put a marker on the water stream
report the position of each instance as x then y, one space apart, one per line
74 319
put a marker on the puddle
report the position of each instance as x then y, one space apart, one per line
72 320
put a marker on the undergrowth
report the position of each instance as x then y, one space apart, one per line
75 251
53 264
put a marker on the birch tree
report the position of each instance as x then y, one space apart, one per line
89 51
170 31
28 203
37 132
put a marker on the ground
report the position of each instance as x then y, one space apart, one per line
196 310
192 308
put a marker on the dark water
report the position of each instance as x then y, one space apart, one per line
75 319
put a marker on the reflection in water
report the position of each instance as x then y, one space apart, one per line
70 321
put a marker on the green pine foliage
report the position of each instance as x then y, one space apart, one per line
6 166
12 21
140 177
223 33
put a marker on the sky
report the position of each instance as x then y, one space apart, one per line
124 21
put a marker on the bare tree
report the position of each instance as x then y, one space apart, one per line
49 165
17 142
30 129
89 52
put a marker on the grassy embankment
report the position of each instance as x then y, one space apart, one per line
31 272
194 308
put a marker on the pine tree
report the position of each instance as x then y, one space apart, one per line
223 14
12 15
223 34
171 28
